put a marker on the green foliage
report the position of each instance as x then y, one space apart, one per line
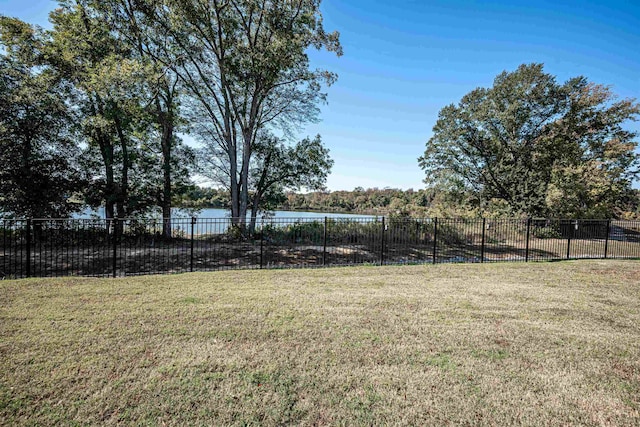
451 234
546 232
39 173
107 84
114 109
167 172
312 232
194 196
303 232
278 168
245 70
368 233
88 98
353 230
370 201
543 148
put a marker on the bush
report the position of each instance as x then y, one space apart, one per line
547 232
450 234
299 232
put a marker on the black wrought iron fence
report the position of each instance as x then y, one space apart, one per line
98 247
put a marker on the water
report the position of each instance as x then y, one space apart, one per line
215 221
224 213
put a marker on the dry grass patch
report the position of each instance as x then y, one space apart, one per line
534 344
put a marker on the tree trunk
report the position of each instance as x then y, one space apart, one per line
260 189
235 199
244 177
123 190
166 119
254 213
25 174
106 150
110 190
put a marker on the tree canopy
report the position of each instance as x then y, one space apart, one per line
38 152
127 76
541 147
245 70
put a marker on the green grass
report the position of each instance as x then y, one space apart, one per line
493 344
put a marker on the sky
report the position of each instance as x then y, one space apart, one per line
404 60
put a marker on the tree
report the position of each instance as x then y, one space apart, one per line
39 172
276 168
244 66
125 104
133 28
529 139
279 168
101 75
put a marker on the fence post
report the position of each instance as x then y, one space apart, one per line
435 238
115 246
382 243
28 237
606 239
324 243
193 224
484 227
569 240
526 251
262 248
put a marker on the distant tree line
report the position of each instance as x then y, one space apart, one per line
366 201
429 202
369 201
205 197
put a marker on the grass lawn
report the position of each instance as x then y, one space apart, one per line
491 344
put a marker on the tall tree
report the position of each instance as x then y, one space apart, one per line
110 92
244 65
39 172
524 139
150 46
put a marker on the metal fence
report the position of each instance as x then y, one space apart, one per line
98 247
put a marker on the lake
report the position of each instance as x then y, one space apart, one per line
215 221
224 213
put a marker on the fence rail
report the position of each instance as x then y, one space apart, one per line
98 247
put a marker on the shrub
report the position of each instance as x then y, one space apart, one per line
547 232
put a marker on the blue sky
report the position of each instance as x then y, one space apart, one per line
406 59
